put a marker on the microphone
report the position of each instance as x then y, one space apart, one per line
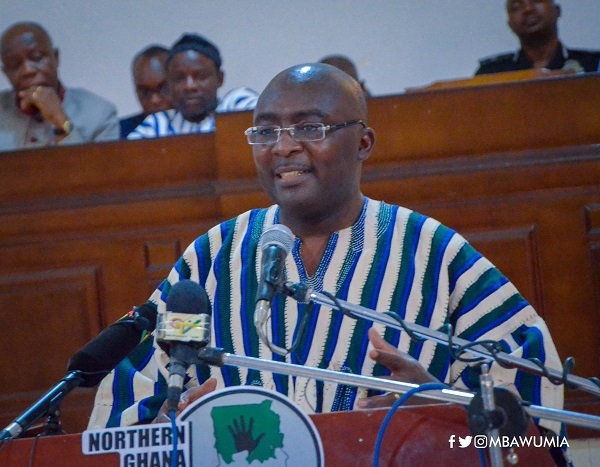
88 366
275 243
181 331
98 357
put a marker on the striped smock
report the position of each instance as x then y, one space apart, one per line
390 259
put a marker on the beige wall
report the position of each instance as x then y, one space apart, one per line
397 43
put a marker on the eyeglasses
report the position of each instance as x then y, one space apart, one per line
271 134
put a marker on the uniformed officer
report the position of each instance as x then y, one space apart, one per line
534 22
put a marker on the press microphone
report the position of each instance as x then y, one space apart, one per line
88 366
275 243
103 353
181 331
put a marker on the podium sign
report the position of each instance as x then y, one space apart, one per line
416 436
234 426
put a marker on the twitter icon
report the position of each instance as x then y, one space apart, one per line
464 442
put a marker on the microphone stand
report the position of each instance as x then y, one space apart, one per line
489 405
45 406
218 357
302 293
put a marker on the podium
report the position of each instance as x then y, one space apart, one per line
416 436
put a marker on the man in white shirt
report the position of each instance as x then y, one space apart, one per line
194 75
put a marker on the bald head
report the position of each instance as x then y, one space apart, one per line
343 63
24 29
28 57
149 79
320 80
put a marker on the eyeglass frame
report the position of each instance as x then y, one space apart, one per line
290 129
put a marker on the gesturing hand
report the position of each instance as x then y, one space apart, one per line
242 437
403 368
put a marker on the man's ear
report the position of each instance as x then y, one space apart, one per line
366 144
56 54
220 77
557 10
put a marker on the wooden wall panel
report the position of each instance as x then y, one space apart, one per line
61 307
49 315
592 215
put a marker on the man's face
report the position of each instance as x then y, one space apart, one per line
149 78
28 59
314 178
532 17
192 82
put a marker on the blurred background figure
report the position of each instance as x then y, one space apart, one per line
535 23
345 64
149 79
194 75
38 110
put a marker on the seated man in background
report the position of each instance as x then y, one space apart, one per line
309 143
345 64
149 78
534 22
194 75
39 111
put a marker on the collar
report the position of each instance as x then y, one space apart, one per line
558 59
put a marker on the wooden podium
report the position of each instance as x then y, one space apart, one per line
416 436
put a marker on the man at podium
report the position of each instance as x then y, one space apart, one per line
309 140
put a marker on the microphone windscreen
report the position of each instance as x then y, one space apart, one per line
102 354
277 235
187 296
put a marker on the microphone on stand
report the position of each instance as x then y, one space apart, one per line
275 243
102 354
88 366
181 331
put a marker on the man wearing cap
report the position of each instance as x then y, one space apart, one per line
534 22
193 69
39 111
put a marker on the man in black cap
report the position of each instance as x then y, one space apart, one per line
535 24
194 74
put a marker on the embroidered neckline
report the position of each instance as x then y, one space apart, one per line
356 244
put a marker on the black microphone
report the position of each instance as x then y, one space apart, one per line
181 331
275 243
88 366
103 353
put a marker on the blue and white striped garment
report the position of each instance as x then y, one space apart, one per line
171 122
390 259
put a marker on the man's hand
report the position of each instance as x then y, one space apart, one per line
186 399
46 100
403 367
